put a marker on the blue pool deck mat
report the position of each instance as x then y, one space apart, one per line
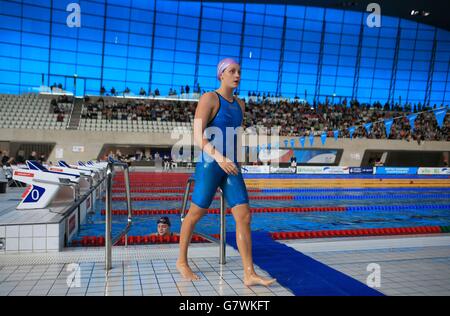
299 273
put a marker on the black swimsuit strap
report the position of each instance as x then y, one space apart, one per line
221 96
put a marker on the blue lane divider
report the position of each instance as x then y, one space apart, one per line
278 190
301 274
371 197
409 207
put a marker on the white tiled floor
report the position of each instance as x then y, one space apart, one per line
130 275
150 270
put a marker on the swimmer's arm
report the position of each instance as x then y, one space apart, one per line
242 104
202 115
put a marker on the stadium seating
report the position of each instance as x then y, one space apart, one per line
129 125
30 111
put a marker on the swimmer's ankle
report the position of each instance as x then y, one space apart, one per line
182 262
249 274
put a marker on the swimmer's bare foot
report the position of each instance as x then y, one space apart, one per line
186 271
254 279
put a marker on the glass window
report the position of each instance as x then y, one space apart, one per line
29 45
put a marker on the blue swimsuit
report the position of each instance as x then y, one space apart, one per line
208 174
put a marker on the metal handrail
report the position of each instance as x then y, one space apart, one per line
185 197
223 242
71 114
222 239
109 241
82 198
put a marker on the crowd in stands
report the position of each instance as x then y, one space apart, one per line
172 91
165 159
263 96
7 161
302 119
138 155
60 106
56 87
296 118
149 110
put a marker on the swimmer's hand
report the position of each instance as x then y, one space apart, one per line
228 166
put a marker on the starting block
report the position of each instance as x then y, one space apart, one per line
55 203
98 171
45 186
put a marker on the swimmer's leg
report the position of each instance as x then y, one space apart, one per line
242 217
207 179
194 215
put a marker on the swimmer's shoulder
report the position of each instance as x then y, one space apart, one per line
209 99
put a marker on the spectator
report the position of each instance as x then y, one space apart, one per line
113 91
60 117
378 162
157 92
138 155
6 160
20 159
172 92
187 89
293 161
102 90
33 156
126 91
166 162
142 92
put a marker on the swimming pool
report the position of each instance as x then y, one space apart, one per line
356 208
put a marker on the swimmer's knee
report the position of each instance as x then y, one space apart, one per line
244 219
196 212
242 214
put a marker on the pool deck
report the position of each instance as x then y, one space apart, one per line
413 265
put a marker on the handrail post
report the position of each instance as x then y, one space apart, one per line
223 242
108 202
127 188
186 197
109 242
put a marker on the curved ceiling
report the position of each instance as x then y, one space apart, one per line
438 9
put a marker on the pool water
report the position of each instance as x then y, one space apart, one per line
420 207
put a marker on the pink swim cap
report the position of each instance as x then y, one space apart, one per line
223 64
